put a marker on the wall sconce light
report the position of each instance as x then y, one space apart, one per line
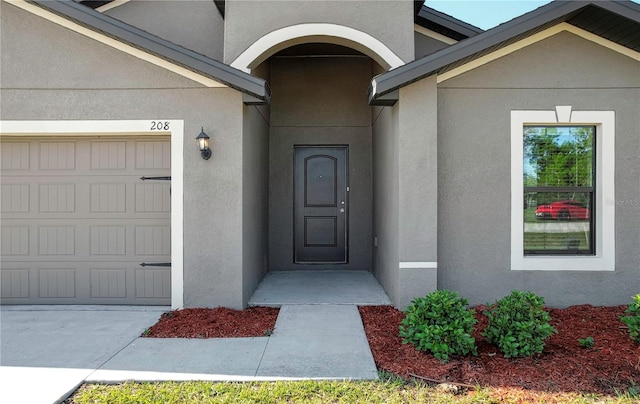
203 144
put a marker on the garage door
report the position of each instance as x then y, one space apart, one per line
78 221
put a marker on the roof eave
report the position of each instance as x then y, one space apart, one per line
430 64
459 28
198 63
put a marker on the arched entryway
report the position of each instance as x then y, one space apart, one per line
320 126
287 37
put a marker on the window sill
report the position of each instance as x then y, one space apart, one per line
572 263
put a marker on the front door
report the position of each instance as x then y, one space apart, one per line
320 204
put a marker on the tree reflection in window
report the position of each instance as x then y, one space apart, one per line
559 175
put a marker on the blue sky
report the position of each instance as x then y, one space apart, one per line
487 13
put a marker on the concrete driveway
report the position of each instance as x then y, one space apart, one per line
46 351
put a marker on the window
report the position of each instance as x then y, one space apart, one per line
558 169
562 190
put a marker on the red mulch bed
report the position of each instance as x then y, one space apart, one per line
215 323
613 363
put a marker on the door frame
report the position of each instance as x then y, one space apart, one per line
345 147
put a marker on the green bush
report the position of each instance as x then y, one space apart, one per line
586 342
439 323
518 325
632 320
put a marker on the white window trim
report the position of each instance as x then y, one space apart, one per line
604 259
129 128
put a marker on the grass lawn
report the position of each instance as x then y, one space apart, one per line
390 390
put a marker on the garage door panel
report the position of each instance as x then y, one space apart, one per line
76 232
14 283
14 240
108 283
57 198
153 197
153 283
153 155
56 283
15 156
108 197
108 155
108 240
153 240
14 198
57 156
57 240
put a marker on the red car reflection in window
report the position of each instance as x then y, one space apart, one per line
563 210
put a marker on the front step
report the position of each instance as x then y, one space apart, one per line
310 287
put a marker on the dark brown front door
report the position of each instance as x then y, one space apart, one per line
320 204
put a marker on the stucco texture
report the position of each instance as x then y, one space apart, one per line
194 24
247 21
425 45
474 168
405 199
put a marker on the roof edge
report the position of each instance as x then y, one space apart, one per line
394 79
156 46
450 26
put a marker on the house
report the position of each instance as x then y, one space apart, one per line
355 135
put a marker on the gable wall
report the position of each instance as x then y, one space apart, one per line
425 45
474 168
194 24
391 22
38 54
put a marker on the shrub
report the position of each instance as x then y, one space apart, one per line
439 323
586 342
632 320
518 325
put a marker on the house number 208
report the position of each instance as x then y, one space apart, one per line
159 125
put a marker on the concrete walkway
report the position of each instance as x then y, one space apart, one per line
46 352
318 341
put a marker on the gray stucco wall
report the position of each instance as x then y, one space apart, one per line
247 21
213 203
70 77
319 101
194 24
418 201
405 193
425 45
474 168
255 200
385 199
